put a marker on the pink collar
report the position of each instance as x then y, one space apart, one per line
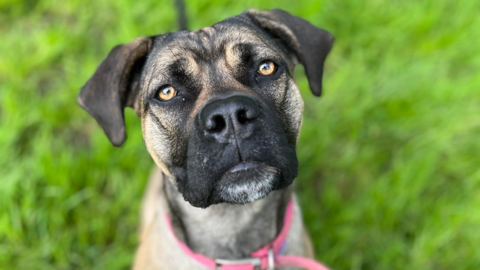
267 257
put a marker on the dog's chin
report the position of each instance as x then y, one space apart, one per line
246 182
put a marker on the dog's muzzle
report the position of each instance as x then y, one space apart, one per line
237 152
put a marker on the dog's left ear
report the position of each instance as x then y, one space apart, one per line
114 86
310 44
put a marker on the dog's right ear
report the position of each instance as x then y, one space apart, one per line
114 86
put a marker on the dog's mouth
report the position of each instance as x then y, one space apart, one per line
246 182
244 166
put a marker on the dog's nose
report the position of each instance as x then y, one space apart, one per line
233 116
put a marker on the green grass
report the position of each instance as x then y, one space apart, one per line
390 155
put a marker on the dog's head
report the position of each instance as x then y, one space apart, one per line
219 107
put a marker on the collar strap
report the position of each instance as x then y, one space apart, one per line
267 257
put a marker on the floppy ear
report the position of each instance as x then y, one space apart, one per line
114 86
309 43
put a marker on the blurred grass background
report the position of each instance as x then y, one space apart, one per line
390 155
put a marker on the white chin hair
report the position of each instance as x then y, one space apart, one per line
250 190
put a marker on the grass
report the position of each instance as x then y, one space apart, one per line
390 155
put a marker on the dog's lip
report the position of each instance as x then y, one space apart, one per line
243 166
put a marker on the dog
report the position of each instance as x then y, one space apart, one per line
220 114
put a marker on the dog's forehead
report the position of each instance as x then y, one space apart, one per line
218 41
194 55
213 38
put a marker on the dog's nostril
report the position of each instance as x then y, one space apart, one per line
216 124
242 116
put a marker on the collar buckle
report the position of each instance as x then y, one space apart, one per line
255 262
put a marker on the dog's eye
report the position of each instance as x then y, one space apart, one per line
167 92
266 68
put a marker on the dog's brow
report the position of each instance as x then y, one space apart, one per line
185 65
183 70
243 53
238 53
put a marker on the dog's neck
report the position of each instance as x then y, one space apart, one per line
227 231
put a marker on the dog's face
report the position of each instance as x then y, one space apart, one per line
220 109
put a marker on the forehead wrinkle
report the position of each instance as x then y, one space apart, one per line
205 35
247 35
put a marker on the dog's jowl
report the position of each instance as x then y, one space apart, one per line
220 115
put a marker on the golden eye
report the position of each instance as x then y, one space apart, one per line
167 93
266 68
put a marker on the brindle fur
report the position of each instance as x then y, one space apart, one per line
207 65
